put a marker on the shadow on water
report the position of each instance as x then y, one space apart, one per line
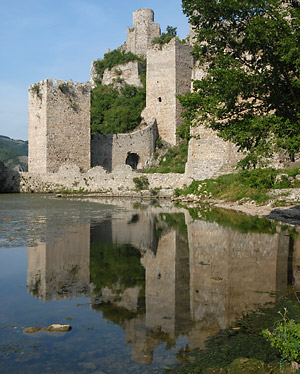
166 280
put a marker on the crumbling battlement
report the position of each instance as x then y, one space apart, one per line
139 38
59 125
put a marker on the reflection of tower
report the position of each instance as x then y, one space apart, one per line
231 272
167 284
167 297
60 268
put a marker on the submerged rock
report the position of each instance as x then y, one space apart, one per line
59 328
51 328
30 330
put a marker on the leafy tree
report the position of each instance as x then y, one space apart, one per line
165 37
114 111
251 92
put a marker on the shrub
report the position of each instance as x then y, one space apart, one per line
141 183
286 338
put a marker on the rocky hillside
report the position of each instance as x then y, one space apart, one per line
13 153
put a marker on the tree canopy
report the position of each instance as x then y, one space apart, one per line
250 94
165 37
117 110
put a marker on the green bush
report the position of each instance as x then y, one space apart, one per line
286 338
141 183
116 112
173 161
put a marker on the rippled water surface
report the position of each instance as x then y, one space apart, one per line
137 282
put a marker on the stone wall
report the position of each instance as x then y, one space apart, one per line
59 125
129 73
117 183
139 38
169 71
110 151
209 156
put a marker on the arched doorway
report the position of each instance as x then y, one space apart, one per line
132 160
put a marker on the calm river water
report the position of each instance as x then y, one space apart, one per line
137 282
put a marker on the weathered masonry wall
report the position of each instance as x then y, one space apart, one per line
110 151
209 156
139 38
129 73
117 183
59 125
169 71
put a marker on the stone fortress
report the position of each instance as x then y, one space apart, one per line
59 118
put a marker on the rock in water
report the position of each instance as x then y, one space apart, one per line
59 328
51 328
30 330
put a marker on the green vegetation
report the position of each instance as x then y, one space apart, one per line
112 59
175 221
141 183
243 186
117 110
234 220
36 90
64 87
112 264
117 267
165 37
286 338
173 161
251 94
13 152
114 111
240 348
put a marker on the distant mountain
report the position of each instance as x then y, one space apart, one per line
14 153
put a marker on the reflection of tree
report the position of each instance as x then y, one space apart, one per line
235 220
112 264
116 273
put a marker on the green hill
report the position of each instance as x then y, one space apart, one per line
13 153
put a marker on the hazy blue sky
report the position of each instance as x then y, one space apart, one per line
58 39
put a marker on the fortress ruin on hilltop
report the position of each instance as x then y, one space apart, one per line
59 113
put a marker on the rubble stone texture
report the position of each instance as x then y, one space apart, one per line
59 125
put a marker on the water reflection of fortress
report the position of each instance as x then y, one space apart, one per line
193 281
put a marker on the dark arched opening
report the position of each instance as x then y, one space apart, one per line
132 160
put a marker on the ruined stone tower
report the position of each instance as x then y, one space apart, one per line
169 71
139 38
59 125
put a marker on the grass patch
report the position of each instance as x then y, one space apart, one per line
246 185
173 161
